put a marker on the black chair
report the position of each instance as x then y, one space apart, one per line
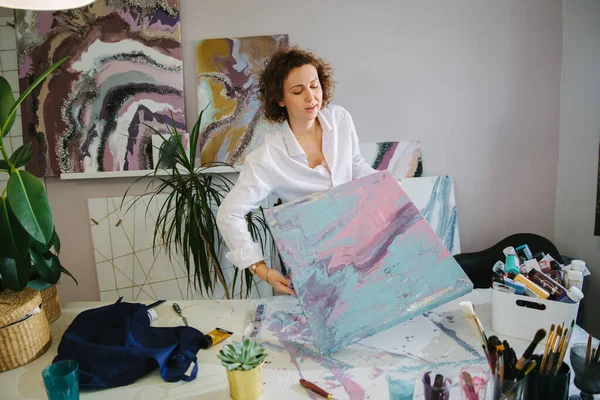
478 265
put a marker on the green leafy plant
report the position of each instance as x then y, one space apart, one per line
242 356
186 221
29 244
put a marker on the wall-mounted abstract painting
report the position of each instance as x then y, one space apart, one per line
363 259
434 197
124 76
402 159
227 73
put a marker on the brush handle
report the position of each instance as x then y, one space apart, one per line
314 388
545 356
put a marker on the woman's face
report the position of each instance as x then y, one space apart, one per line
302 93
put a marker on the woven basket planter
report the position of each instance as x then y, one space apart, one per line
23 341
50 299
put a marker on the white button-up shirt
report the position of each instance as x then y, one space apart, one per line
280 167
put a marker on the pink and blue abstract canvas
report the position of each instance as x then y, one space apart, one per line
362 259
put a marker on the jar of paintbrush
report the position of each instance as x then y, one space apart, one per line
511 373
551 378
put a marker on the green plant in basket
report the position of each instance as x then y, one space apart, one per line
29 244
242 356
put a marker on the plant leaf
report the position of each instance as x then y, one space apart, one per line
65 271
29 203
7 99
4 165
233 366
47 265
14 241
13 109
56 243
15 274
21 156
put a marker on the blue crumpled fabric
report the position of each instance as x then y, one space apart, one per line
115 345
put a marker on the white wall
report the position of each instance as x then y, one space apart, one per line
579 140
478 82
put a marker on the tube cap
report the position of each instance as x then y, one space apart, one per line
511 264
575 294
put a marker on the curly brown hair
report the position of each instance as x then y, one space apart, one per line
277 69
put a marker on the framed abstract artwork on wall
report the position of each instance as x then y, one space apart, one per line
227 73
123 77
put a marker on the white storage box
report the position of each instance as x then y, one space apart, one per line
521 316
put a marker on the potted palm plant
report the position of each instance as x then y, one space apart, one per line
186 221
243 361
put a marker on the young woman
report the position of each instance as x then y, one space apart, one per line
312 147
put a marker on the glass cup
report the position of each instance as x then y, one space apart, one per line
587 375
473 383
62 380
510 390
400 389
434 391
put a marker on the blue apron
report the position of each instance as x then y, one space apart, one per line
115 345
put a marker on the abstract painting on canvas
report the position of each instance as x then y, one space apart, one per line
362 259
124 73
434 197
227 72
402 159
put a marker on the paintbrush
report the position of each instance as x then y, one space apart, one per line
501 365
563 351
545 355
539 336
510 359
588 351
469 311
597 358
552 355
524 372
559 350
530 367
314 388
469 389
493 343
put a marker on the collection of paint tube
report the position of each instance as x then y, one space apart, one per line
538 276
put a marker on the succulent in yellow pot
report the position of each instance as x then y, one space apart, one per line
244 360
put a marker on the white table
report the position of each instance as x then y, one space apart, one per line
441 341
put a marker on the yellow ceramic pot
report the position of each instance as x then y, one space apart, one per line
245 385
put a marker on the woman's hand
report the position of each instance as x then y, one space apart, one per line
280 283
274 278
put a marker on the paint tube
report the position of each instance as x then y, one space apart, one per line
524 252
557 292
518 288
512 264
218 335
501 287
530 285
